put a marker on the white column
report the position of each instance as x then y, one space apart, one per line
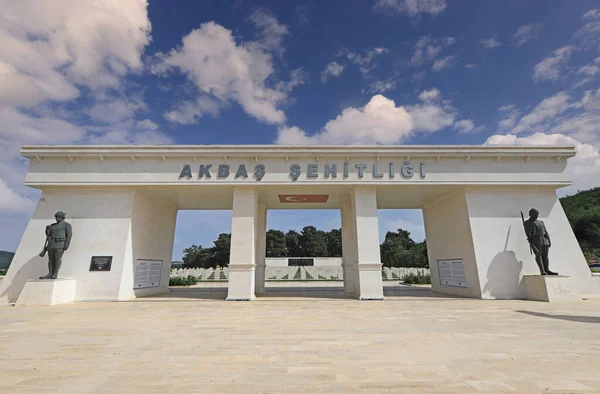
242 258
261 248
364 205
349 253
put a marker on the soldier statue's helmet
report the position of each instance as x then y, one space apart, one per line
533 211
60 214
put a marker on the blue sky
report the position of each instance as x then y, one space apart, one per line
305 72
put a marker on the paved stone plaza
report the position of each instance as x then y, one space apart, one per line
192 341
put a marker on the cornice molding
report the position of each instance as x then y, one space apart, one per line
286 152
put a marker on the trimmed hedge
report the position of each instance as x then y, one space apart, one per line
417 279
189 281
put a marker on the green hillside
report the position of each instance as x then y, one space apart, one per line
583 211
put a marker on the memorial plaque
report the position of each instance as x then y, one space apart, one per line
301 262
452 273
101 263
147 273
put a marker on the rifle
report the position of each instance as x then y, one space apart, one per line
531 245
43 253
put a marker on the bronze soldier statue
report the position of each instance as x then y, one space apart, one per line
58 238
539 241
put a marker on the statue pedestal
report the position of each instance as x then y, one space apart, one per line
47 292
549 288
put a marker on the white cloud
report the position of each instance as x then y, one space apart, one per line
583 168
22 128
111 109
471 65
364 62
54 44
380 86
582 82
189 112
560 114
490 42
591 100
545 111
429 48
589 70
464 126
297 77
11 201
511 114
588 36
379 122
592 14
56 52
434 114
550 67
527 33
442 63
226 71
333 69
430 96
26 90
144 132
147 124
270 31
411 7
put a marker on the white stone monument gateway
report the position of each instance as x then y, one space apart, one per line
122 203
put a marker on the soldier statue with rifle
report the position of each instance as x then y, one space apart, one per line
539 240
58 238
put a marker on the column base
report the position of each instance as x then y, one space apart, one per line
47 292
241 282
549 288
350 278
369 280
260 279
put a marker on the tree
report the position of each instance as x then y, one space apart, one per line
313 242
276 245
196 257
334 243
583 212
400 250
292 243
221 250
420 257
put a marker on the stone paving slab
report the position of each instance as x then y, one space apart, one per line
284 344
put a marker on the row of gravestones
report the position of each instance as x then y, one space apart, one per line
394 273
201 273
294 273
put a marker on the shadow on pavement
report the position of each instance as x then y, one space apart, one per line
271 293
581 319
335 293
410 291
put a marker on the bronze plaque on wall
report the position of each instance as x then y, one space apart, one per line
101 263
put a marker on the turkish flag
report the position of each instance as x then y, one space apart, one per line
302 198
